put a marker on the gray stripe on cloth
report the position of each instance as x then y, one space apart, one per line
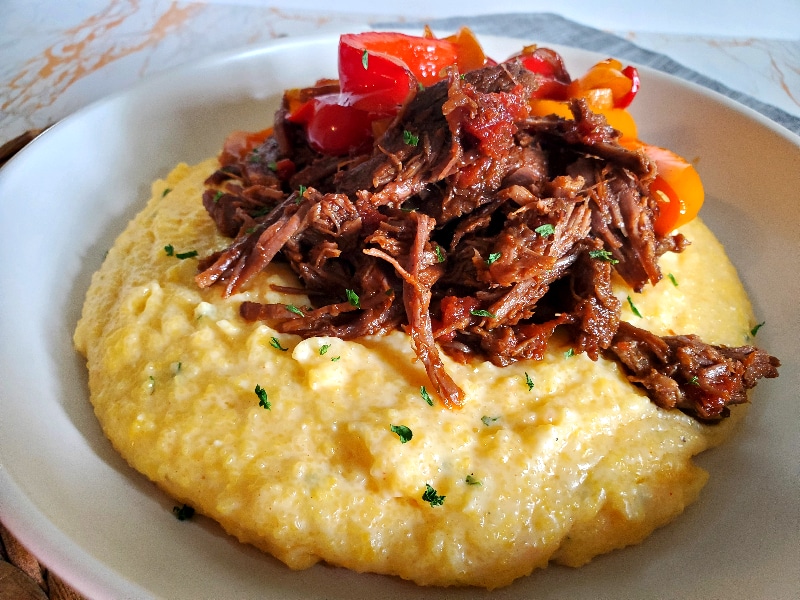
555 29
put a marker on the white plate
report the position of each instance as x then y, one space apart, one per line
111 533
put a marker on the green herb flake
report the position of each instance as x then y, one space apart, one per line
365 59
569 353
323 349
482 313
528 381
185 255
218 195
671 277
603 254
151 384
755 329
409 138
293 309
254 157
403 432
430 496
166 191
633 308
439 253
262 398
471 480
489 420
275 343
545 230
272 165
336 359
353 298
169 249
694 380
425 395
183 513
493 258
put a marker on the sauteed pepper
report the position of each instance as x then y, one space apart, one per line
379 72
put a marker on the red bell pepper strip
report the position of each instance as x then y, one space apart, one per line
631 73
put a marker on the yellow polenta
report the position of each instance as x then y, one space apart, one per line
577 465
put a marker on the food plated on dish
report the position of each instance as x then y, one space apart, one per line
449 342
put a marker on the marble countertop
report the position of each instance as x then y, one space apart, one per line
60 56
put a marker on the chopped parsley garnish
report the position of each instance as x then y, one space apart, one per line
293 309
755 329
603 254
671 277
365 58
481 313
493 258
262 397
528 381
218 195
633 308
430 496
352 298
471 480
409 138
272 165
545 230
403 432
323 349
336 359
439 253
301 191
254 157
275 343
166 191
183 513
569 353
425 395
488 420
694 380
170 250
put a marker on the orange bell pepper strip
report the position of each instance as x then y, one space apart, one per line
677 187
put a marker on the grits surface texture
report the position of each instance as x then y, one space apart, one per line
577 465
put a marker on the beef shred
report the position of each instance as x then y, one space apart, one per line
476 228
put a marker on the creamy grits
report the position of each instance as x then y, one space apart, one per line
301 447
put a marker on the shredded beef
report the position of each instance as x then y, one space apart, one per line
684 372
480 240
